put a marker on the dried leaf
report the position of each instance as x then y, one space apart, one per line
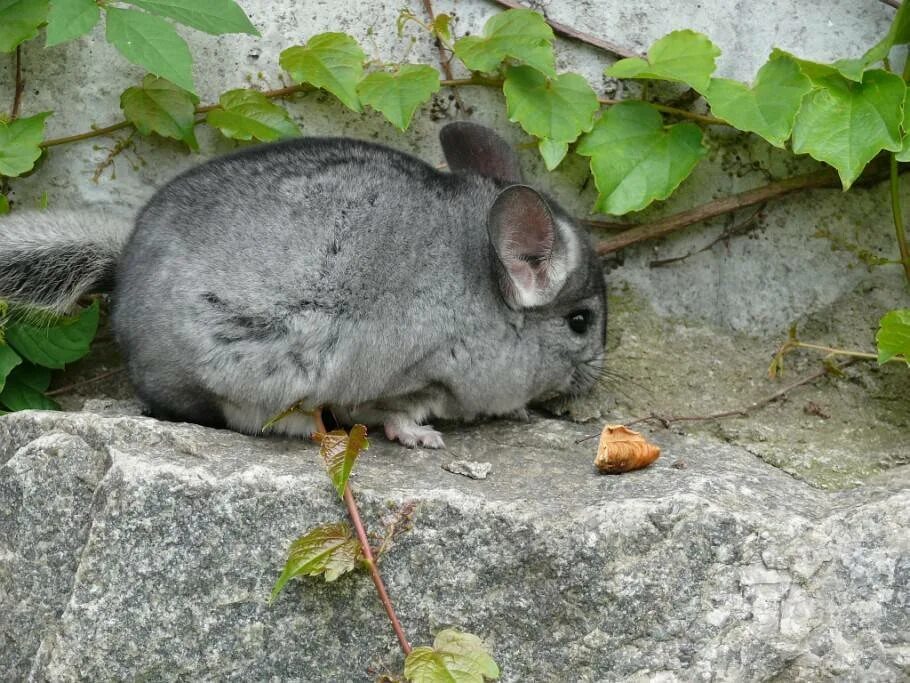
623 450
339 451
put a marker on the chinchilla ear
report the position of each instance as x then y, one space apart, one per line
472 147
536 255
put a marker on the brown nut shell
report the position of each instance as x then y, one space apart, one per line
623 450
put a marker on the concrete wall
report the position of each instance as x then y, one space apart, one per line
755 285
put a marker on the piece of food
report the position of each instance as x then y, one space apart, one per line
622 450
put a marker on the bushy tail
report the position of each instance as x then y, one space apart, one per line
48 259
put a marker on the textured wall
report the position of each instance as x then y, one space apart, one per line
758 285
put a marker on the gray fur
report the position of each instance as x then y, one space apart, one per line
342 274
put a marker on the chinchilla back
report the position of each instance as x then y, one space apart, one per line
48 259
317 269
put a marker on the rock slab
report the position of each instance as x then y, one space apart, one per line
134 549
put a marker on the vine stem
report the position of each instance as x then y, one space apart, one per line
833 351
370 562
668 420
718 207
305 87
443 62
575 34
899 217
19 86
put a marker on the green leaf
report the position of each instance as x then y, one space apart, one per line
159 106
9 359
769 107
247 114
25 387
60 341
454 658
70 19
212 16
893 336
442 27
846 124
330 550
552 152
19 21
398 94
558 109
332 61
339 451
635 159
4 205
684 56
19 144
152 43
520 34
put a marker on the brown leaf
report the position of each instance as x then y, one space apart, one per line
622 450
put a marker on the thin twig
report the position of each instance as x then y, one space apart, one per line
19 87
370 562
84 382
118 147
443 61
738 229
819 179
893 3
899 216
707 119
575 34
668 420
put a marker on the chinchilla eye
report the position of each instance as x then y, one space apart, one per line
579 320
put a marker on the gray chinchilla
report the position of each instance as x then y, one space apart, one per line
335 273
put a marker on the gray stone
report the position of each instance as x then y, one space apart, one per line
134 549
469 468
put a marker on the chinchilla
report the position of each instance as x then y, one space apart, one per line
334 273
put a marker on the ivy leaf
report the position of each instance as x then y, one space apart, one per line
893 336
56 342
635 159
4 205
684 56
332 61
9 359
455 657
70 19
520 34
247 114
845 124
339 451
552 152
159 106
558 109
442 27
25 387
152 43
212 16
769 107
19 144
397 95
19 21
330 550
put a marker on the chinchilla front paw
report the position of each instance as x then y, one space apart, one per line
408 433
